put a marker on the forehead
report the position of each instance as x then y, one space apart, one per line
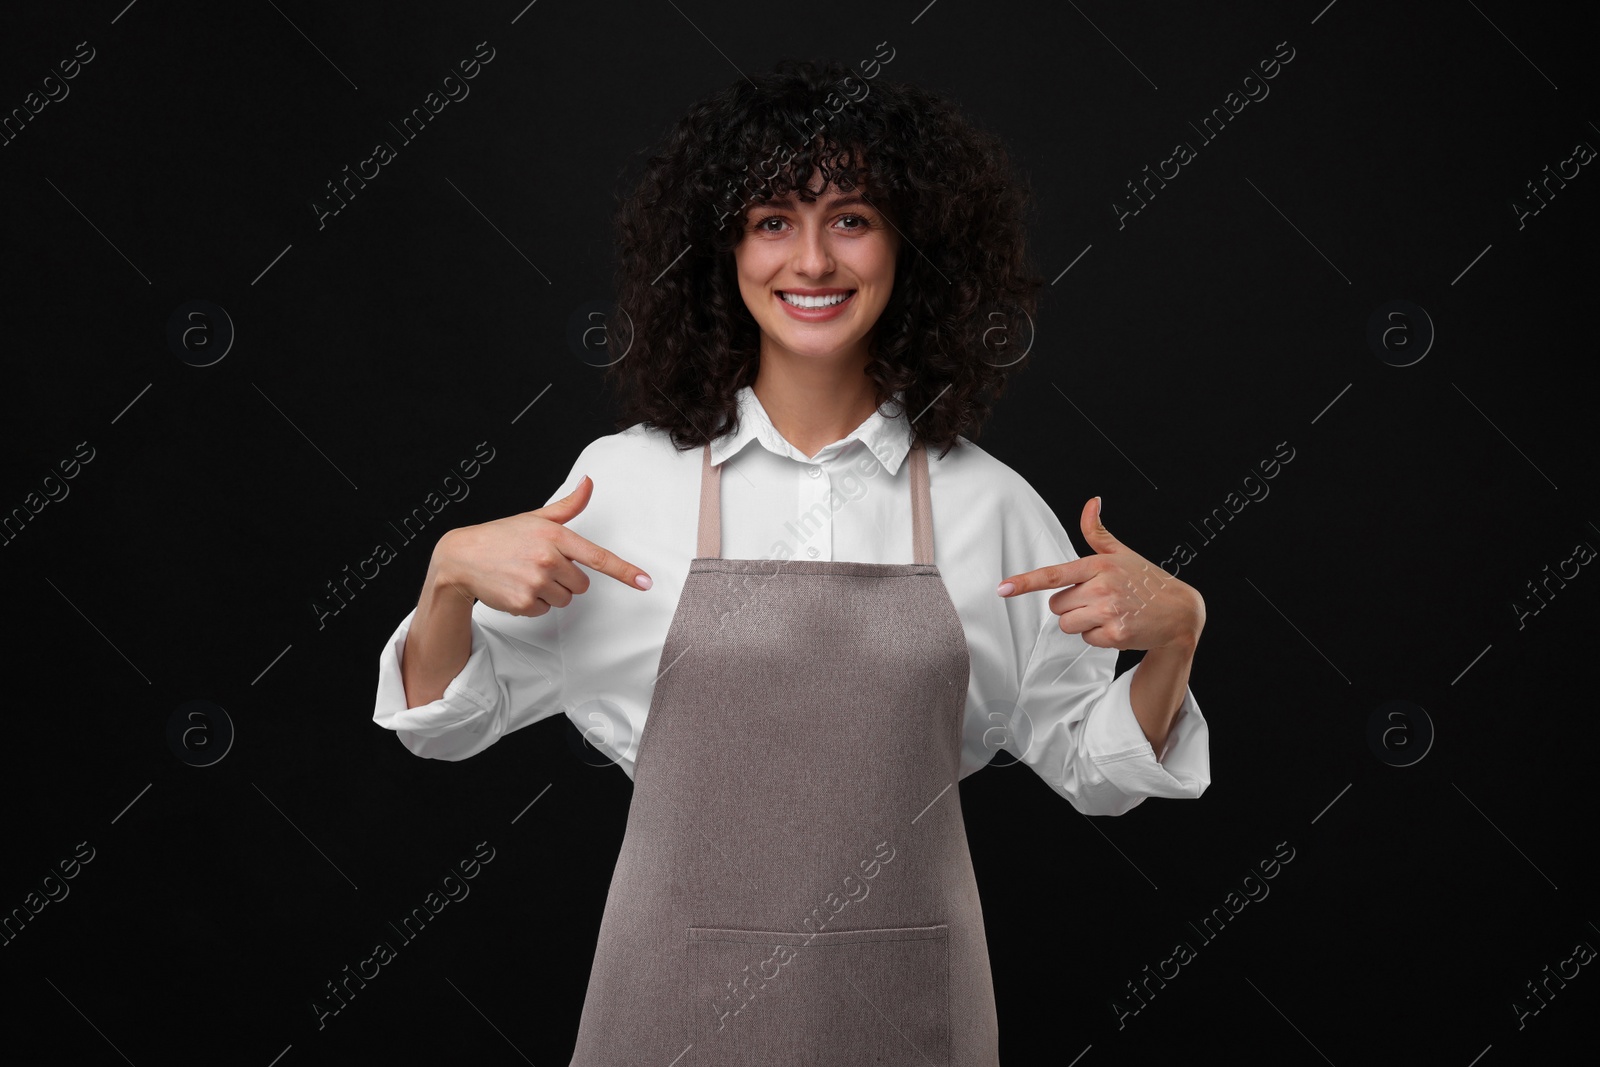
832 198
817 170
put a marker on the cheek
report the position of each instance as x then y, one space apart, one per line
876 262
748 285
754 265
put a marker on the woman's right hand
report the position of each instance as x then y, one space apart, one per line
526 564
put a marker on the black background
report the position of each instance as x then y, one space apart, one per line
1229 315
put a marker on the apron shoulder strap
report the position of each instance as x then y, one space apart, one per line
921 506
709 545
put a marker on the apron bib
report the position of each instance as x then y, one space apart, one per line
794 885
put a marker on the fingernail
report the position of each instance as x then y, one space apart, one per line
643 581
1098 504
1006 588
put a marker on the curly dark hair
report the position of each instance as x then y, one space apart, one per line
963 286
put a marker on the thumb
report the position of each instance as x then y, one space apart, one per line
568 507
1094 530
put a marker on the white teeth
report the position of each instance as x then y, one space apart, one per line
813 301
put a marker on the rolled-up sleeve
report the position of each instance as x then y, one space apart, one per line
511 679
1085 740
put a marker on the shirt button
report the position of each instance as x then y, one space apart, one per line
814 471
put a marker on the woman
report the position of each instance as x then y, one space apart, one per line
809 264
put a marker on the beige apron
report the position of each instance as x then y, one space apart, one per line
794 885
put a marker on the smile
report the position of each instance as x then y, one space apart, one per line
825 300
819 308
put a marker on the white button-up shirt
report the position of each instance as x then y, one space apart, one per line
1047 697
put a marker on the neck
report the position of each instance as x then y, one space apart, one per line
813 404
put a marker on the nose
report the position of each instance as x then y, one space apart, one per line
812 256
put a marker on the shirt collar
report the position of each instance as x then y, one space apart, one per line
886 437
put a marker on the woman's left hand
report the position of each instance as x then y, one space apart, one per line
1117 599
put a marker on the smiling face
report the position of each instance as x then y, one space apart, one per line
816 275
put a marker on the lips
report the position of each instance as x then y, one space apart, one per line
823 313
814 297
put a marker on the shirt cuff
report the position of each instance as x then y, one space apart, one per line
463 721
1116 745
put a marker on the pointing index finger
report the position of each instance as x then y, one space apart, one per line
580 549
1052 577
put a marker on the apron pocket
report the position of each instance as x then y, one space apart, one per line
775 997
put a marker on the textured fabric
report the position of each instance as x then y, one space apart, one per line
1047 698
794 885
